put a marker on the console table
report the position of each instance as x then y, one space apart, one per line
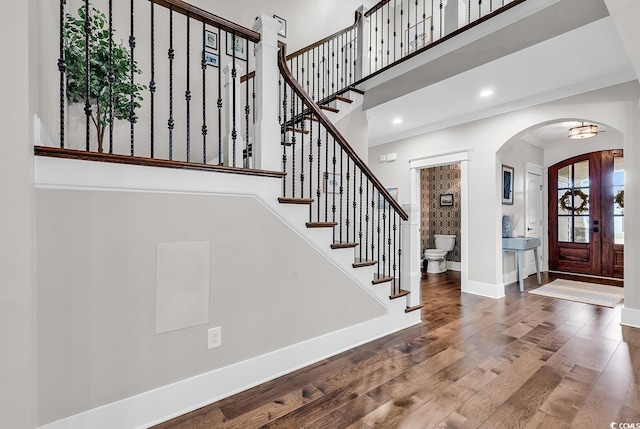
519 245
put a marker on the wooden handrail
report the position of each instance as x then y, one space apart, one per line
326 39
208 18
56 152
313 107
375 8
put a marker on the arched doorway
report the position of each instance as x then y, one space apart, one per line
586 214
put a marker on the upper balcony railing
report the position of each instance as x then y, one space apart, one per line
172 91
388 33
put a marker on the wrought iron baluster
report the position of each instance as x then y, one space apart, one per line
395 33
341 190
355 206
203 64
152 82
380 261
234 74
346 204
62 68
318 192
132 113
219 105
441 11
187 94
395 239
400 254
384 235
171 56
283 130
294 103
376 39
111 76
366 224
333 207
326 176
402 51
248 149
87 65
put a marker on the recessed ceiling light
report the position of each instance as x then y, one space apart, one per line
397 121
486 93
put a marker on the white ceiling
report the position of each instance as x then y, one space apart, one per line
581 60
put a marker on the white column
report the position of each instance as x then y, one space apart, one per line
411 255
363 63
266 142
451 13
233 112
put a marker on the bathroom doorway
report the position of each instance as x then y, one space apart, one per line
441 211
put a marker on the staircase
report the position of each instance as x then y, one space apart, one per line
359 221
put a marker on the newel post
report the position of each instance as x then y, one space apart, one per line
234 143
411 271
266 144
363 63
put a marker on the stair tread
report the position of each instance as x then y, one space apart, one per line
399 294
381 278
344 99
356 90
329 108
414 308
359 263
321 224
343 245
298 130
283 200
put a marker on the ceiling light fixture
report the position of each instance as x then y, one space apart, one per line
486 93
583 132
397 121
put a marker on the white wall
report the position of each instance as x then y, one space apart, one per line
517 155
97 342
17 211
483 139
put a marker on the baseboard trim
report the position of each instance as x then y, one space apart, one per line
483 289
630 317
454 266
167 402
510 277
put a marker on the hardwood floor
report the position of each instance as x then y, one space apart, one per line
524 361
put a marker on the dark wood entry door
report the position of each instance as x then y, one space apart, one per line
586 214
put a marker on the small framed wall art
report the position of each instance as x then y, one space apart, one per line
507 184
446 200
238 46
211 40
283 26
211 59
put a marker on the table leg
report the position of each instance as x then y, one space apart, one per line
520 280
535 255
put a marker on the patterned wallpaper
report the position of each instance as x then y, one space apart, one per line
435 219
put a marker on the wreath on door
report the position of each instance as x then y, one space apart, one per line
566 204
619 199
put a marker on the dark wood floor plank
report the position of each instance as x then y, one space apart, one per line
522 361
567 399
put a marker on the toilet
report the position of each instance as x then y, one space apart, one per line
437 258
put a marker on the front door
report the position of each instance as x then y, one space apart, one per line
586 220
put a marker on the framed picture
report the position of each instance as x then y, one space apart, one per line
446 200
384 204
211 40
237 46
332 183
419 35
283 26
211 59
507 184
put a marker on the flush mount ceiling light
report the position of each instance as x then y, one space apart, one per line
583 132
397 121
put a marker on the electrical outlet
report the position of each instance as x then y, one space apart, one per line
214 337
